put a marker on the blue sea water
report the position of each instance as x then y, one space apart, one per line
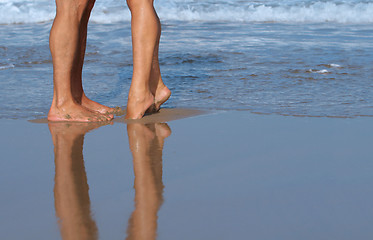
300 58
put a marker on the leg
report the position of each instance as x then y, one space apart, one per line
157 87
146 144
144 25
64 46
77 86
72 202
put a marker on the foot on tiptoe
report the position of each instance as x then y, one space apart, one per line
161 96
138 104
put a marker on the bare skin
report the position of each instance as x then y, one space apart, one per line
72 202
159 90
147 92
146 144
77 89
67 44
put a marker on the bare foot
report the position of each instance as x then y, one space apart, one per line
161 96
138 104
73 112
97 107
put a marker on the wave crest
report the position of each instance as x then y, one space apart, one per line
111 11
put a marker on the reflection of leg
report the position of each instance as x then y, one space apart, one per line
77 87
147 163
144 25
143 222
157 87
64 46
72 201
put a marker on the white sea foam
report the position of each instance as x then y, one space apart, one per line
322 71
111 11
6 66
18 11
334 65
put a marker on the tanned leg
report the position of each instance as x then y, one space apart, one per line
145 28
72 202
77 86
64 46
157 87
147 164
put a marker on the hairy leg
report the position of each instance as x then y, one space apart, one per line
157 87
77 85
144 26
64 42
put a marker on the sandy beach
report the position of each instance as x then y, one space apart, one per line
206 175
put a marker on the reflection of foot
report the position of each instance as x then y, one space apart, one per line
73 129
73 112
162 130
138 105
95 106
161 96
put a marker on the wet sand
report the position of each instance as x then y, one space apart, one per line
163 115
222 175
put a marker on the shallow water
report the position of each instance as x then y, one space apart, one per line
290 65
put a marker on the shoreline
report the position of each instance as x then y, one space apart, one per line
172 114
164 115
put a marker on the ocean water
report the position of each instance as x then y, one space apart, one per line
300 58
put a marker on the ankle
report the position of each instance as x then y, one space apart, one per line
64 103
78 96
139 93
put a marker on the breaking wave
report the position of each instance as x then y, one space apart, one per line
112 11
